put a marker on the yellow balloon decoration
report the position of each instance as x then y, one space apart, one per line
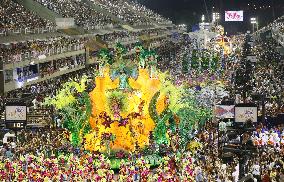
137 130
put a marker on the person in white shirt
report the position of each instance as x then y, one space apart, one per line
236 173
256 171
35 103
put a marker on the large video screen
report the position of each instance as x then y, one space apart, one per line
15 113
225 111
242 114
234 15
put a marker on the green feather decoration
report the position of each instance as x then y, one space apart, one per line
120 48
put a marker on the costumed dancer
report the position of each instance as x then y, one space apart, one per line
153 64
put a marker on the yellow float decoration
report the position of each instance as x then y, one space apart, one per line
138 128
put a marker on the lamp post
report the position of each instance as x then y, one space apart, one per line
254 22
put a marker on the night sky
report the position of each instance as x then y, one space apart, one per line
189 11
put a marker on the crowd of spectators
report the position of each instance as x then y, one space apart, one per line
15 17
39 49
267 72
34 141
47 69
170 56
84 15
266 164
125 36
157 43
46 88
276 25
266 82
121 36
121 10
148 13
268 75
48 152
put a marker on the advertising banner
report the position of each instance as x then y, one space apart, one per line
15 116
234 15
225 111
242 114
16 113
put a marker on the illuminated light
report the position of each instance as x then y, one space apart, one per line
19 84
32 79
203 18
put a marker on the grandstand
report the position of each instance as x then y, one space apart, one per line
45 43
276 28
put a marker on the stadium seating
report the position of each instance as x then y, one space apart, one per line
15 19
84 15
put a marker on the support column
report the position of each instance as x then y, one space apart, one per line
87 56
2 79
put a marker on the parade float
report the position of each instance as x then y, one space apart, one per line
133 109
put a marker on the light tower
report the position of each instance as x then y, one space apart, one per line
254 22
215 17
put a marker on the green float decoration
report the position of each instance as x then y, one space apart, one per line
75 106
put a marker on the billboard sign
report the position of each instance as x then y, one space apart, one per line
234 15
16 113
242 114
225 111
15 116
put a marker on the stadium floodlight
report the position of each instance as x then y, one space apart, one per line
254 22
216 17
202 18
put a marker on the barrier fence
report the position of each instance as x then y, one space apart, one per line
16 31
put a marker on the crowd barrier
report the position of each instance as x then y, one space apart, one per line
28 30
100 27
